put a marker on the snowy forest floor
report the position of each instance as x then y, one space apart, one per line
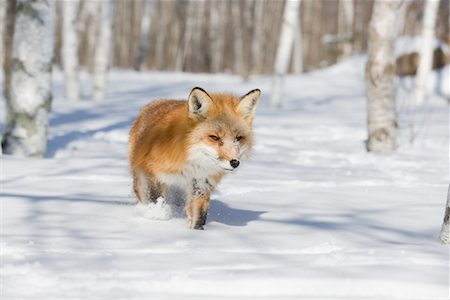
312 214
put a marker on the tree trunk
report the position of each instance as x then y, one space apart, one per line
8 46
217 12
345 28
258 35
426 51
298 47
198 55
160 36
146 22
87 27
102 50
3 5
445 230
186 48
380 71
285 45
70 49
29 101
237 37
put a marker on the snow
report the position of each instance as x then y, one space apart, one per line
155 211
312 214
414 43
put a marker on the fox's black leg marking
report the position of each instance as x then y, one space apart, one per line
154 192
201 221
201 203
203 217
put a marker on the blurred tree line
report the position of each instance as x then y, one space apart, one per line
230 36
241 37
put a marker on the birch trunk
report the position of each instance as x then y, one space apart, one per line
102 50
298 47
238 40
445 230
186 48
8 46
345 27
70 49
2 29
285 45
258 35
380 71
198 54
426 51
217 11
146 22
29 101
160 36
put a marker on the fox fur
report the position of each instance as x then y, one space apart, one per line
191 145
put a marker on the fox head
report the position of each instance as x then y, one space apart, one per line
223 132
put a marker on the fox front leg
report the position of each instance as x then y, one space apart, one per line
198 205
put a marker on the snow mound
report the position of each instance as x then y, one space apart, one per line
409 44
155 211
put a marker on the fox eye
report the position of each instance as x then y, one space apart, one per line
214 138
238 138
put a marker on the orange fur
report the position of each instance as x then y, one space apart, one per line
162 137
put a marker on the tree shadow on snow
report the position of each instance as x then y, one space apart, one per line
223 213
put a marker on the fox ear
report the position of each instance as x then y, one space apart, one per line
248 103
199 103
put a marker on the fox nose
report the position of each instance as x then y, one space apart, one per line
234 163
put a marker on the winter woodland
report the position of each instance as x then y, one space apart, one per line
347 194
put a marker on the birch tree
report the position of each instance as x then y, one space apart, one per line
380 71
238 39
102 49
2 29
426 51
258 35
87 25
298 48
285 45
346 17
70 49
445 230
8 46
29 101
161 36
143 39
216 34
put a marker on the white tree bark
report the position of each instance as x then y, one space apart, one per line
29 101
184 52
88 20
426 51
197 58
217 36
298 47
348 16
70 49
285 45
2 30
238 39
161 36
102 49
146 22
380 71
258 36
445 230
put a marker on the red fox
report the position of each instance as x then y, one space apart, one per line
191 145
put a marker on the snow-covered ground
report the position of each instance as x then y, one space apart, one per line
311 215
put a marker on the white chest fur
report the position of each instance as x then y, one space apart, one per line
201 166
